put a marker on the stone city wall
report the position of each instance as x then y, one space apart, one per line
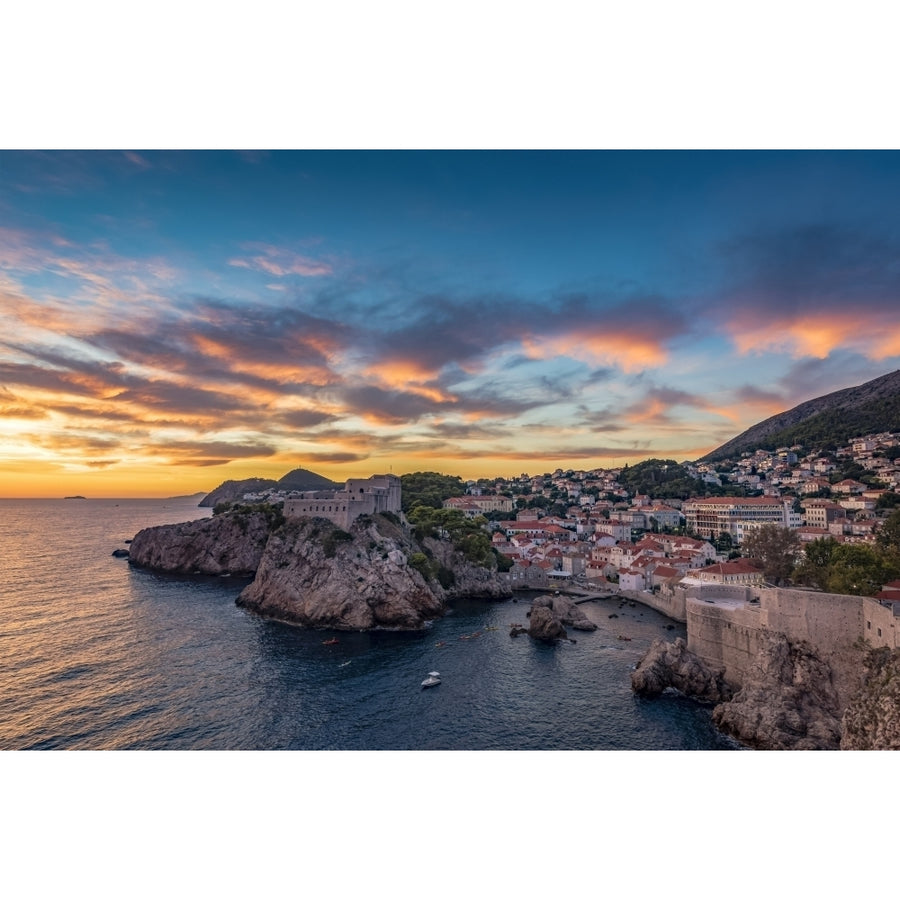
880 626
830 622
724 636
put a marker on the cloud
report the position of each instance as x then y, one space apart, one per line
811 290
280 262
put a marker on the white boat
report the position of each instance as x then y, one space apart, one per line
433 679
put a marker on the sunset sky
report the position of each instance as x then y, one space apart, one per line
169 320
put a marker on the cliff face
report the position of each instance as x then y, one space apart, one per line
787 702
872 719
230 543
667 665
309 575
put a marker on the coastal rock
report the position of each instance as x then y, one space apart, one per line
230 543
545 626
872 719
315 575
787 700
667 665
566 610
468 580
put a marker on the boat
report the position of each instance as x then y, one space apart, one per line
623 638
433 679
329 643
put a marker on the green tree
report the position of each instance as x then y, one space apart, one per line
776 548
814 569
859 569
887 538
429 489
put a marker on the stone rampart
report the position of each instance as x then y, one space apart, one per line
725 634
830 622
881 624
726 626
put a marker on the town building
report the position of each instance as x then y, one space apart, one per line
710 516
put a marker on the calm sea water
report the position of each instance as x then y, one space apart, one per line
97 654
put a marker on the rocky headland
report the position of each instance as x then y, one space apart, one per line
227 544
311 573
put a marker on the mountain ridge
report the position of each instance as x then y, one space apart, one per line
823 422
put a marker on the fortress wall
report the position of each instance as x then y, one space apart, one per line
875 617
723 636
830 622
671 605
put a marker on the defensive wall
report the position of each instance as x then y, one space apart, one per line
726 626
360 496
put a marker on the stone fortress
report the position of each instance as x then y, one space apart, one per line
360 496
728 624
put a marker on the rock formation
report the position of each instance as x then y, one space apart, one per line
872 719
309 572
667 665
222 544
787 700
311 575
545 626
566 610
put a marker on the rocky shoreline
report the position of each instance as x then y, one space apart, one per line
791 699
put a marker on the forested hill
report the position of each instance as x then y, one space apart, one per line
825 422
295 480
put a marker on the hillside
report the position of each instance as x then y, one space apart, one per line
825 422
295 480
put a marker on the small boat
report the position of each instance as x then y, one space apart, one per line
433 679
623 638
330 642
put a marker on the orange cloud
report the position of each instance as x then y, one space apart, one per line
631 351
872 333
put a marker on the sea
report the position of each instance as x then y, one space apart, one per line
98 654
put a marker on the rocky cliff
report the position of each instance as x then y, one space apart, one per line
872 719
672 665
309 572
316 575
222 544
788 699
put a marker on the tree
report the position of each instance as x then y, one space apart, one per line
429 489
888 537
776 548
859 569
815 567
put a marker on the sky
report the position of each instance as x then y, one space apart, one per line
173 319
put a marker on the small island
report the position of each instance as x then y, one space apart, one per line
75 497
